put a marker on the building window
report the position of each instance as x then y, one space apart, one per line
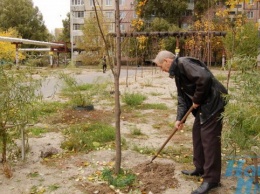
91 2
109 15
77 26
110 28
108 2
121 2
250 15
122 14
79 14
77 39
135 15
122 27
77 2
92 14
251 2
238 5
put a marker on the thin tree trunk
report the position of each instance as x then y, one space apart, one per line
4 139
117 99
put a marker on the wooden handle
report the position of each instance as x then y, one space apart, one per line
174 131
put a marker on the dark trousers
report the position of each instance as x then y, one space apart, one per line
207 147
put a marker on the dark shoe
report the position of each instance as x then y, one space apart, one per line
205 187
195 172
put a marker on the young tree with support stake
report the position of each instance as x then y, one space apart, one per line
116 72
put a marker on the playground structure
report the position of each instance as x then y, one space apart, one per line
53 47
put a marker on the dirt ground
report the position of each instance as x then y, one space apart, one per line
77 173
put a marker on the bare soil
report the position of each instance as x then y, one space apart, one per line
79 173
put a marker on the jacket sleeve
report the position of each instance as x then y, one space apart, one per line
183 102
201 77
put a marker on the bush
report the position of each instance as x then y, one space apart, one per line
87 137
133 99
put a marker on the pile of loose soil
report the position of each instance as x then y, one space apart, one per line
155 177
152 178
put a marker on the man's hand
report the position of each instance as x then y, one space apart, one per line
178 125
195 105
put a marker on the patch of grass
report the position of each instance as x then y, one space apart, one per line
159 106
133 99
87 137
174 95
37 189
53 187
33 174
136 132
155 94
123 179
144 150
48 108
36 131
221 77
148 83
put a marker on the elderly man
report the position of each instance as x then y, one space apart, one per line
197 87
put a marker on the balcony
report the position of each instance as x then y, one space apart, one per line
78 20
77 8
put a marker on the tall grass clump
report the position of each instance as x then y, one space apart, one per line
133 99
87 137
123 179
242 114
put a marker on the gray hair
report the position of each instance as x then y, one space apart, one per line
164 54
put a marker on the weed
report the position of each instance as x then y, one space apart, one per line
44 108
123 179
155 93
36 131
173 95
87 137
143 150
82 94
159 106
148 83
133 99
53 187
33 174
136 132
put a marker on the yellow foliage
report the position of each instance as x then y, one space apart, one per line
7 49
139 10
142 40
137 23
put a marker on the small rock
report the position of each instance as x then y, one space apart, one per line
49 152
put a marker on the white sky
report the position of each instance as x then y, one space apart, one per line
53 11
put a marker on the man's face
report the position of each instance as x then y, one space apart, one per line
165 65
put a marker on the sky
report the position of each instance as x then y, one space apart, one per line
53 11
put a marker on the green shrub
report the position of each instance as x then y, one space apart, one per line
133 99
243 112
123 179
87 137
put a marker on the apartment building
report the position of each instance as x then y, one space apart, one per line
250 8
81 9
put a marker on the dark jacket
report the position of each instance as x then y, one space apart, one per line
196 84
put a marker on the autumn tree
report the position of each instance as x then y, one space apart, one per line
7 49
24 17
65 35
171 10
92 41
